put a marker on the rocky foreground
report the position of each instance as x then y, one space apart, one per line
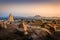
9 35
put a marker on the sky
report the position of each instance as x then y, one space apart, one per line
25 8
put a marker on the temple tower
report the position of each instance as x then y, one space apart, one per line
11 18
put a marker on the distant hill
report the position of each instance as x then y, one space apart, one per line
37 16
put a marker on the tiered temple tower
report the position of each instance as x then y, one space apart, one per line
11 18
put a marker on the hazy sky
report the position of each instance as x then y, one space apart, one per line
30 8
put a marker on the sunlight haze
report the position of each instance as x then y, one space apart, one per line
31 9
